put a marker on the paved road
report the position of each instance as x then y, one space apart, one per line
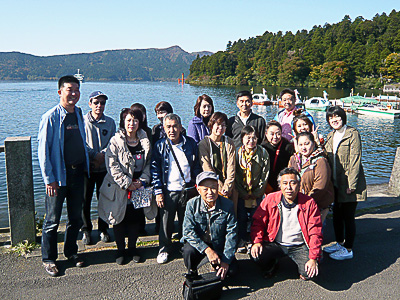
372 274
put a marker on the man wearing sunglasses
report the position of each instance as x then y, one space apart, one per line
99 130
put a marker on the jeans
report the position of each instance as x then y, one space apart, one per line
245 215
344 223
95 179
192 258
128 227
171 207
273 251
73 192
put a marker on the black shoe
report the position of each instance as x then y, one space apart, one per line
51 269
76 260
133 253
86 239
120 260
105 237
271 272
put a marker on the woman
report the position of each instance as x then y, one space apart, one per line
198 126
343 146
145 126
280 150
252 169
128 169
162 109
217 154
315 172
301 123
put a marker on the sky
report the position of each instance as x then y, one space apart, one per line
45 28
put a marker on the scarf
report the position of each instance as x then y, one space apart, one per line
245 164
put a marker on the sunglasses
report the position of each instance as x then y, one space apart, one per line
96 102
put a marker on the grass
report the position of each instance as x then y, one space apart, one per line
24 248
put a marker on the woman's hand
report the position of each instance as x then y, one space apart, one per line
349 191
316 135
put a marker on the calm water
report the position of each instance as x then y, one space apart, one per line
23 103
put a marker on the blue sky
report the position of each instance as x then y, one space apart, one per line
62 27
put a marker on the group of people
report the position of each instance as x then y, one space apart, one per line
235 184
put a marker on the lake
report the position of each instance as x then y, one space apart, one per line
23 103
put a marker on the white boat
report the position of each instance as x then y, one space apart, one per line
378 111
318 103
79 76
261 99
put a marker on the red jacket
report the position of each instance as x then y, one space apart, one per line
266 222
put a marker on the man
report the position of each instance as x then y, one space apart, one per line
287 223
245 116
99 130
63 158
286 115
209 229
167 180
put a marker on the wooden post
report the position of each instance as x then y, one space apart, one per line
21 205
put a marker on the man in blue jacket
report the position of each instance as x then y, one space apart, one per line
168 181
63 158
209 229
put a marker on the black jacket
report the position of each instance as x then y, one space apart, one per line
235 126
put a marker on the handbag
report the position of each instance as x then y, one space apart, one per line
187 192
141 197
206 286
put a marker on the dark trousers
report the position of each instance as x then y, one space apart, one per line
344 223
245 215
95 179
128 227
73 192
171 207
192 258
271 252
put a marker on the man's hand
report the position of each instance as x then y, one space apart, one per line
312 268
51 189
349 191
222 270
160 200
98 160
256 250
212 256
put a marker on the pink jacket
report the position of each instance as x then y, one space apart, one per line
266 222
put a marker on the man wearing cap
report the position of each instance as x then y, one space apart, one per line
63 158
99 130
209 229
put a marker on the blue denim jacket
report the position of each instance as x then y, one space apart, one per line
223 227
51 144
160 162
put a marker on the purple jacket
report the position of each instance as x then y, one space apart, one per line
197 129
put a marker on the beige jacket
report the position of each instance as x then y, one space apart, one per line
120 165
206 162
349 170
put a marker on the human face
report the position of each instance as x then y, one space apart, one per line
218 129
302 126
173 130
161 114
336 122
131 125
288 102
97 105
69 95
274 135
250 141
205 109
305 146
290 187
244 104
208 190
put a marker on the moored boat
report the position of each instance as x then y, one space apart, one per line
378 111
79 76
261 99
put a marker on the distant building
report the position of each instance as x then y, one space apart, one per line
391 88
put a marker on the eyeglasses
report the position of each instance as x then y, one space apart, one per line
96 102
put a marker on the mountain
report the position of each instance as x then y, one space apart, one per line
110 65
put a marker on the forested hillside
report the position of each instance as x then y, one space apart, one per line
346 54
144 64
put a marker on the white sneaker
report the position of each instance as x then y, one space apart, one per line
333 248
342 254
162 257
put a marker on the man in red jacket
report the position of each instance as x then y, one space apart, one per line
287 223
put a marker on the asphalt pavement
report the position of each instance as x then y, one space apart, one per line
373 273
